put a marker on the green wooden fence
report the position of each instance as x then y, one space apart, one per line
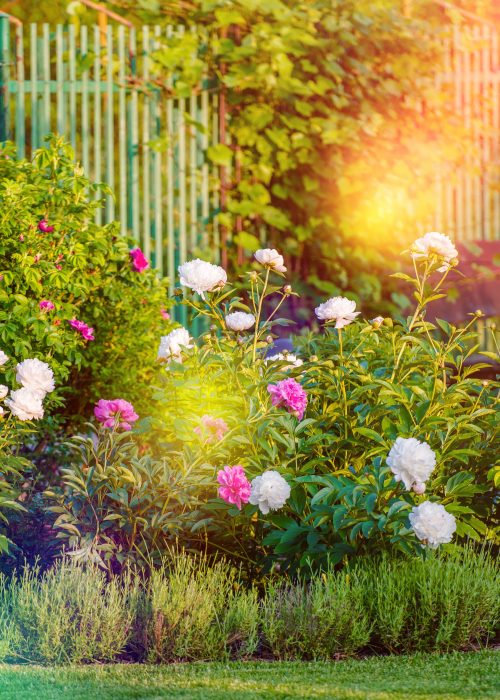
98 89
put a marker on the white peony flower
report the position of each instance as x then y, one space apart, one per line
171 345
36 375
3 358
269 257
4 390
411 461
25 404
292 359
270 491
338 309
432 524
240 321
435 243
202 276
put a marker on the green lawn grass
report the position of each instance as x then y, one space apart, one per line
449 676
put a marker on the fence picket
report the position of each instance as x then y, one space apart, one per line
97 115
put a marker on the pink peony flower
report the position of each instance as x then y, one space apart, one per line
86 331
291 395
116 413
213 429
44 226
165 314
46 305
234 485
139 260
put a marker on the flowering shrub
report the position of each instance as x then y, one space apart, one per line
376 437
20 407
71 291
119 506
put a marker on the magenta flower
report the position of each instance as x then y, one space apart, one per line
44 226
289 394
165 314
213 429
139 261
234 485
116 413
86 331
46 305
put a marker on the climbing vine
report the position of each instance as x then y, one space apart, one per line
334 127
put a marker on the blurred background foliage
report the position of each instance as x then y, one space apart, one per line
335 123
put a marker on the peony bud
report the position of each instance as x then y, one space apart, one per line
418 488
287 289
269 339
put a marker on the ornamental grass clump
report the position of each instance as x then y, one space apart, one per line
200 612
441 603
320 620
70 614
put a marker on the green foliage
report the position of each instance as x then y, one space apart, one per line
367 385
434 605
192 610
116 506
328 134
85 270
198 612
70 614
319 621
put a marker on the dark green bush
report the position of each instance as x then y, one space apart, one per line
85 270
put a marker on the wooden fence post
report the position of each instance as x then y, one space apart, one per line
4 77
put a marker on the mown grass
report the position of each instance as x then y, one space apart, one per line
448 677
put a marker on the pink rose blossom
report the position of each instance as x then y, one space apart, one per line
116 413
213 429
139 260
46 305
44 226
291 395
234 485
165 314
86 331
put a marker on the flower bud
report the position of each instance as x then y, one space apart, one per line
478 312
287 289
253 275
485 383
313 358
388 322
418 488
269 339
